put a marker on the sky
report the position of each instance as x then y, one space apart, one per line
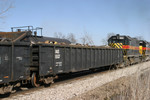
97 17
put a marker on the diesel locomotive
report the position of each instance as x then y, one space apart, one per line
134 50
27 58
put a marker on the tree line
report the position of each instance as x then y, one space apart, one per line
85 39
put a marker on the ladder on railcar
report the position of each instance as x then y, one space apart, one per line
34 65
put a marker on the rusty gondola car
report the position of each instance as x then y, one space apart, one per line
26 57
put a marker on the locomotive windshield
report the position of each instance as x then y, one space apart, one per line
117 41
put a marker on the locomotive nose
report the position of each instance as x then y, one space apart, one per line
116 45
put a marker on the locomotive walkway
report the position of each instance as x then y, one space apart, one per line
77 87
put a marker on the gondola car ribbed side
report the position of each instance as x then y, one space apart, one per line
55 59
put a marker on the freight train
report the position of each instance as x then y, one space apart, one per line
26 57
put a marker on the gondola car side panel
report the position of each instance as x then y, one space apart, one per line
57 59
21 62
5 63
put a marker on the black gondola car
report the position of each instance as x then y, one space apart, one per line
16 57
55 59
26 57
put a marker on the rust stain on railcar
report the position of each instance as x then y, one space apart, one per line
10 35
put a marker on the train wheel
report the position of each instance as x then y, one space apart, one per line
34 80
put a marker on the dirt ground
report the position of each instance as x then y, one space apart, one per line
134 87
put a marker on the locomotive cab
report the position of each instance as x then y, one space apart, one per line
118 41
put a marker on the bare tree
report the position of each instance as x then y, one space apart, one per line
87 39
59 35
5 6
71 37
105 41
140 37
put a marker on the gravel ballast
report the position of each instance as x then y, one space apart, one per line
71 89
